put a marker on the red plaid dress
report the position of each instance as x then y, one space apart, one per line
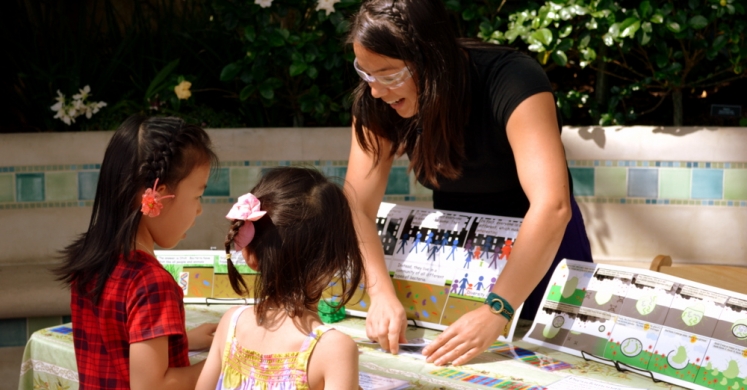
140 301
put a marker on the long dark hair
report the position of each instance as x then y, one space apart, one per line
140 151
418 32
306 239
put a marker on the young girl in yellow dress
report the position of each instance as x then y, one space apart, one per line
295 228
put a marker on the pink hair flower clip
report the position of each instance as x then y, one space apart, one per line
152 201
247 209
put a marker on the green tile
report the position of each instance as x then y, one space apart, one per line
735 184
30 187
218 183
583 181
610 182
399 182
61 186
418 189
37 323
7 190
243 179
87 183
13 332
674 183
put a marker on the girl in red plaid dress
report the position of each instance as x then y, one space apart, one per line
127 310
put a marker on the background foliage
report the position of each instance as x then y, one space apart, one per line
611 62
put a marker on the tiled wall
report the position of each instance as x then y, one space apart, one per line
14 332
660 182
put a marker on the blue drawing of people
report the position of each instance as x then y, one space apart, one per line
468 256
453 249
445 242
479 284
486 246
403 242
434 249
416 242
463 284
428 240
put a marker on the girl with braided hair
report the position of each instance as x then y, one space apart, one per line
127 310
480 127
296 229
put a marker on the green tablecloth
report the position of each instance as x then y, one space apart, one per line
49 361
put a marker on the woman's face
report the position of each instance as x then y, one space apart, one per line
404 98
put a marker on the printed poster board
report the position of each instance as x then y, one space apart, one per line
672 329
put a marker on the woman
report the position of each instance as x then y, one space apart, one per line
479 125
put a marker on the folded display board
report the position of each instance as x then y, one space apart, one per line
671 329
443 264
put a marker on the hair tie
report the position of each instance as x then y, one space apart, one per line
152 201
246 209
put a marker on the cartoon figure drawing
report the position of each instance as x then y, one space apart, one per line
479 284
435 248
453 249
469 289
468 256
418 236
478 252
486 246
444 242
428 241
454 286
403 242
492 283
506 250
463 284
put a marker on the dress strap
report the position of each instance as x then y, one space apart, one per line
308 346
231 334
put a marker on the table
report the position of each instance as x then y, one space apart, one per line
49 361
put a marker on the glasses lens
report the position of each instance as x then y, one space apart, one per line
390 81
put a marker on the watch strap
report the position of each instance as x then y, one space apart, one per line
499 305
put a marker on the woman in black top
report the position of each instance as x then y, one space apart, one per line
479 125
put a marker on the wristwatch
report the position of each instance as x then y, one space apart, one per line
499 305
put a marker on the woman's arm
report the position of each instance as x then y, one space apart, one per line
149 367
540 162
365 185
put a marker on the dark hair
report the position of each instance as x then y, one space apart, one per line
306 240
418 32
140 151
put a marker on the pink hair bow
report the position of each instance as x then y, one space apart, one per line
247 209
152 201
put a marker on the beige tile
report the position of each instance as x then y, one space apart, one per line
10 367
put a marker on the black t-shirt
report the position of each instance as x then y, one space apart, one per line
489 184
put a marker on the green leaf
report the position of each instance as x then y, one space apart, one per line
693 4
673 26
544 36
584 40
697 22
629 27
249 33
559 57
230 71
719 42
283 33
657 19
246 92
266 91
312 72
646 27
661 60
645 38
645 9
297 68
275 39
274 82
565 31
160 80
469 14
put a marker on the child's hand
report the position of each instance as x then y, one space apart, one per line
201 337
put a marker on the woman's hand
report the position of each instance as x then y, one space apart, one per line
201 337
386 322
469 336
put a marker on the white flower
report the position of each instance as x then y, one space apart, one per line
83 95
327 5
68 111
263 3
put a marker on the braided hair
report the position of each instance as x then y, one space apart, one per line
419 33
141 151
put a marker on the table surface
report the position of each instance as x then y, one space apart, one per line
49 361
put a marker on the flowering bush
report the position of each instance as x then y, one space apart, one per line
67 111
294 68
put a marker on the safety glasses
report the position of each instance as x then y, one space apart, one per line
391 81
